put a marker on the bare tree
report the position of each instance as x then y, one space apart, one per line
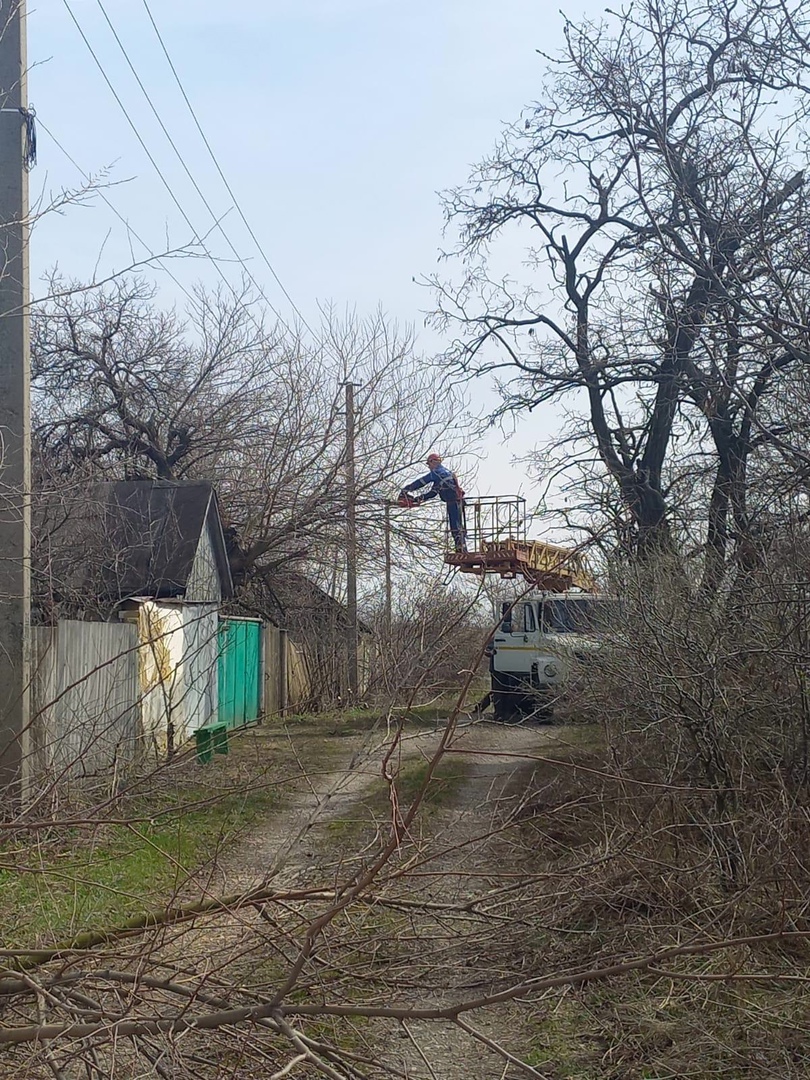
123 389
434 640
659 189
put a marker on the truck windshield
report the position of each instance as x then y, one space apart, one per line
568 616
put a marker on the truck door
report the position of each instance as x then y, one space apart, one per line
514 642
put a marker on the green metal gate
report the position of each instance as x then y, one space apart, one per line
240 642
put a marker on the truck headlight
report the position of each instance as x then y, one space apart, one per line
550 671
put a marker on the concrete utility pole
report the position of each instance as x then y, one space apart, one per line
15 433
351 549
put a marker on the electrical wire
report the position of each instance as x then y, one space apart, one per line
218 167
159 171
217 222
89 180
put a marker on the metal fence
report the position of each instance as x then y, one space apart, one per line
85 698
105 694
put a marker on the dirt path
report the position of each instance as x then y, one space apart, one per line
278 850
464 862
458 865
281 848
305 842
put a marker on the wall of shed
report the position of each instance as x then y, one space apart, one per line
178 656
288 683
296 678
85 698
203 585
299 678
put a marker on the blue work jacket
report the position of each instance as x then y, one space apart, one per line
442 483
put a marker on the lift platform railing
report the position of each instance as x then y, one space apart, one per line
497 544
493 518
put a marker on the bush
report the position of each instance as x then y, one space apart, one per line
706 697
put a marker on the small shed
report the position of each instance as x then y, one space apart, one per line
165 541
170 573
128 581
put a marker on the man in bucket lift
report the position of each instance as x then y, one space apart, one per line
443 483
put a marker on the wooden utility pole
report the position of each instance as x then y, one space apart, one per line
351 550
15 432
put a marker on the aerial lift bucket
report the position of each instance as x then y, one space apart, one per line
497 544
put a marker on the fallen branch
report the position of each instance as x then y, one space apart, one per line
26 959
276 1013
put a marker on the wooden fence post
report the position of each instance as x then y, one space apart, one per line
283 690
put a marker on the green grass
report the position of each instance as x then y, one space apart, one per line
79 882
182 818
559 1042
448 778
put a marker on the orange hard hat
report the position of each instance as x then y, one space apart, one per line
434 457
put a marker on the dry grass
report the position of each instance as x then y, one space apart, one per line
622 870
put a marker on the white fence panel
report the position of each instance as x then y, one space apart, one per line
201 664
85 697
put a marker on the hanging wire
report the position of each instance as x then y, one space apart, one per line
29 116
198 239
218 167
29 119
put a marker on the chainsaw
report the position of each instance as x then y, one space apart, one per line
407 501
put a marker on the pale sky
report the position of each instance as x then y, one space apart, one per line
336 123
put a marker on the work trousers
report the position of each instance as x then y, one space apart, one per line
455 518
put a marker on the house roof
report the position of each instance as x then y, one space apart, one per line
153 530
292 600
106 542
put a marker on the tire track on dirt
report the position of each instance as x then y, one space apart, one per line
469 852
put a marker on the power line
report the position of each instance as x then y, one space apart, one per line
182 161
224 179
157 168
89 179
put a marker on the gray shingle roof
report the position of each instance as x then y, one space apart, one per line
154 529
114 540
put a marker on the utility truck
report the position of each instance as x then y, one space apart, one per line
552 625
540 638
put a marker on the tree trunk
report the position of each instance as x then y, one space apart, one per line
717 531
648 507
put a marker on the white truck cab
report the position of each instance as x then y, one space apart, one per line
533 648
